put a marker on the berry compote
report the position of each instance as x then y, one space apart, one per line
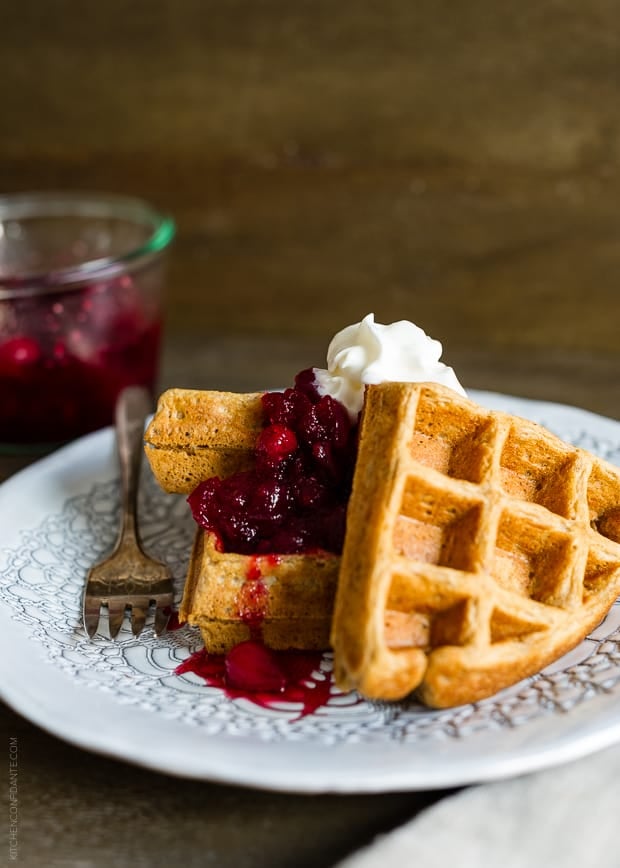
292 501
264 677
294 498
66 355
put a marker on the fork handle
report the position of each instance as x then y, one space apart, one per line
132 408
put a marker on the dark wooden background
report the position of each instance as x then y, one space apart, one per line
327 159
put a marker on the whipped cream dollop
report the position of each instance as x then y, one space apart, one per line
368 352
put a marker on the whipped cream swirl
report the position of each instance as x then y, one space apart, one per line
369 352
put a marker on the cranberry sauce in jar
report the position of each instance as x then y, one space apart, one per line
80 311
66 356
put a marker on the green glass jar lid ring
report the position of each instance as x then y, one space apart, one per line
21 206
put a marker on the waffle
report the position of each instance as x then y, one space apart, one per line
286 599
479 548
198 434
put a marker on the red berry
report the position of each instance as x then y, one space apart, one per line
335 420
60 352
269 500
296 405
276 442
273 406
324 457
305 382
253 667
311 430
18 352
235 491
294 498
289 542
203 503
310 493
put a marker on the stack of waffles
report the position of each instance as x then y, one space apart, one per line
479 547
198 434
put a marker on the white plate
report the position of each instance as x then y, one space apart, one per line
123 699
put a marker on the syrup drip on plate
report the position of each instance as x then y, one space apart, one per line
251 670
267 678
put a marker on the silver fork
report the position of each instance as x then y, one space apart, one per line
128 578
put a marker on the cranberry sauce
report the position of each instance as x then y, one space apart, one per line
294 498
265 677
64 358
292 501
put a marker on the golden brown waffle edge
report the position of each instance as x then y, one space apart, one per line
198 434
288 599
479 548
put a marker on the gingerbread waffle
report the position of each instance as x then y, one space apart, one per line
198 434
287 599
479 548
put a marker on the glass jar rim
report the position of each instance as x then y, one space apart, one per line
19 206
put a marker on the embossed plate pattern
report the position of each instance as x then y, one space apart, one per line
122 698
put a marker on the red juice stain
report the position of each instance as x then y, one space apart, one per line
256 564
253 597
251 670
254 672
252 604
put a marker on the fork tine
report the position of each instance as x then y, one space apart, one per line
162 616
128 577
91 616
116 610
138 618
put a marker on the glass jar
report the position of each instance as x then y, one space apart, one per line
81 281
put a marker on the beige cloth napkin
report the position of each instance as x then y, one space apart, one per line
564 817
